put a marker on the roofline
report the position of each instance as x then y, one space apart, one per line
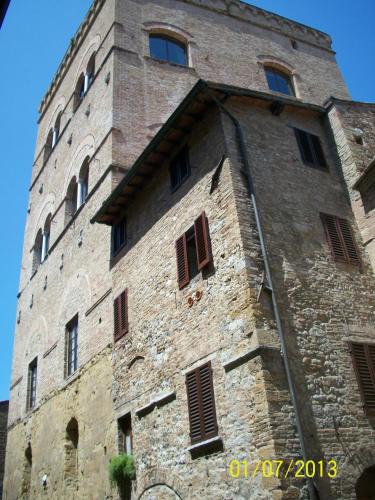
328 103
199 87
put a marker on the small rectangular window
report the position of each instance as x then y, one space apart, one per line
201 404
118 236
120 313
125 434
310 148
31 384
363 356
71 359
193 251
340 239
179 169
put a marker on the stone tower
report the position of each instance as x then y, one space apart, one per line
227 312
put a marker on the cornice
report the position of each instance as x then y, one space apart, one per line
269 20
74 45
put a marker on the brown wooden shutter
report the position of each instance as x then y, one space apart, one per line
120 312
201 404
202 241
340 239
183 277
348 241
363 356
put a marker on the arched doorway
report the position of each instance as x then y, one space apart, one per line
159 491
365 486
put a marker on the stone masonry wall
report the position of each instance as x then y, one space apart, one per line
87 399
345 117
167 338
129 99
4 405
323 304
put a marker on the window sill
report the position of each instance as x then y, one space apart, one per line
168 63
317 167
206 447
162 400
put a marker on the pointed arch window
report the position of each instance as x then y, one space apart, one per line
37 251
48 146
56 130
166 48
79 91
90 73
71 200
83 182
46 238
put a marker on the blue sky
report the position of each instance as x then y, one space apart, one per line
33 39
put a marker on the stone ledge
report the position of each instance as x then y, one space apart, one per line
243 358
211 445
159 401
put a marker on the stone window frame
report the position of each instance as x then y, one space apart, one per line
174 33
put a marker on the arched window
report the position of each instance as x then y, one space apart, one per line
90 72
56 130
71 200
83 182
79 91
165 48
71 454
278 81
26 473
48 146
37 251
46 238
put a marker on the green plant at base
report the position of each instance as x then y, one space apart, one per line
121 469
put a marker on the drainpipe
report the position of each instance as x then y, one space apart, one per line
293 393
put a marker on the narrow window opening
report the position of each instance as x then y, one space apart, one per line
37 251
26 476
179 169
294 44
71 454
32 380
125 434
71 200
118 236
72 346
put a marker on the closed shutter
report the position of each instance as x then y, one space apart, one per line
120 311
348 240
202 241
340 239
363 356
201 404
183 277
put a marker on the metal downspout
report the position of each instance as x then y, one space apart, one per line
244 156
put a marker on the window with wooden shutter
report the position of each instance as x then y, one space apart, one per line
363 356
340 238
201 404
202 241
310 148
193 251
120 312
